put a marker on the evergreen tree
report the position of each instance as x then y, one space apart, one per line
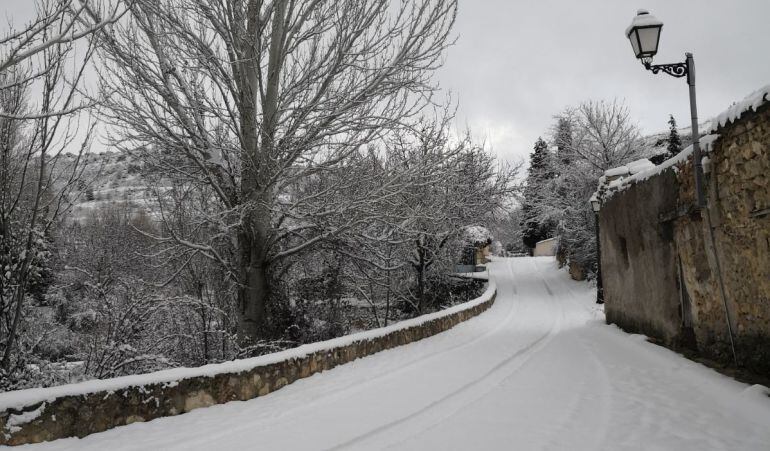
563 139
538 159
674 142
539 173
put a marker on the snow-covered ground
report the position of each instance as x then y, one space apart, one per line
539 370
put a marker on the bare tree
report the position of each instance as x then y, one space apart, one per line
442 186
248 97
603 134
465 187
37 181
57 24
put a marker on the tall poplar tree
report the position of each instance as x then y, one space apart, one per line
540 172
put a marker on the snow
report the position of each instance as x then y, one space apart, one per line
643 19
477 234
631 168
15 421
538 370
484 275
751 102
637 166
21 398
615 172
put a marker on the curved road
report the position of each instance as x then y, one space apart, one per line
539 370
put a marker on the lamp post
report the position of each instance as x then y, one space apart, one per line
644 34
596 205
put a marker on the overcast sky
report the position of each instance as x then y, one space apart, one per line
517 63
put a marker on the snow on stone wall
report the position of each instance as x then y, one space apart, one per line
750 103
642 172
77 410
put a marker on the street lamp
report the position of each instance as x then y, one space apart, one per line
644 34
596 205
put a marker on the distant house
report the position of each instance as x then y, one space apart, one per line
545 248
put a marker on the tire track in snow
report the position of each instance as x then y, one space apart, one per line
547 288
601 372
570 301
606 396
517 360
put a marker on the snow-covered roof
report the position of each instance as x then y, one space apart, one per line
751 102
631 168
637 166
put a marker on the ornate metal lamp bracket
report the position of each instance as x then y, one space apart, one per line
677 70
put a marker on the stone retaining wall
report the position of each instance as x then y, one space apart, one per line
84 414
661 273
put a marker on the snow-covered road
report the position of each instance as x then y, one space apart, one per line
539 370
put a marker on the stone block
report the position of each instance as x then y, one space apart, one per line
198 399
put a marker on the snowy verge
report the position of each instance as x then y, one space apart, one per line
18 400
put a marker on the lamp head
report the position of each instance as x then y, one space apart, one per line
644 34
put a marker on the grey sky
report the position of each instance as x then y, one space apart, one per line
517 63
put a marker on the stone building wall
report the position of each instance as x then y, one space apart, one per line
739 183
83 414
670 286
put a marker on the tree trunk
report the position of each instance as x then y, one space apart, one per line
258 135
254 292
420 279
204 323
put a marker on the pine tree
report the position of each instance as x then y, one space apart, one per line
674 142
538 159
563 139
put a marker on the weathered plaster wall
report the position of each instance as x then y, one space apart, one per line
649 227
78 416
638 259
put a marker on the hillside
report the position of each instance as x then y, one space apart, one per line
111 178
